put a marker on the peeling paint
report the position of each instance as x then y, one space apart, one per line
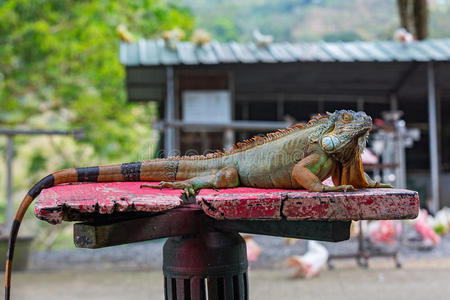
103 198
235 203
368 204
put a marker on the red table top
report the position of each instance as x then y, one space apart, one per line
236 203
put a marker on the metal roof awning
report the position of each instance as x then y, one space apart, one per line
155 52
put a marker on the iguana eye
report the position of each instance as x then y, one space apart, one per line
346 117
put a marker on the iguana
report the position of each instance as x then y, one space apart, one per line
298 157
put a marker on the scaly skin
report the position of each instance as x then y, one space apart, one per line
298 157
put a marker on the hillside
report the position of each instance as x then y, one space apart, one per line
309 20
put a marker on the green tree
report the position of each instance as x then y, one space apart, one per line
59 66
60 69
224 29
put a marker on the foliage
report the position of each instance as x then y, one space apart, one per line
224 29
310 20
59 66
60 69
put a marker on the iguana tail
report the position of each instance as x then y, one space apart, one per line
152 170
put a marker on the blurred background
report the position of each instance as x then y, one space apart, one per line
95 82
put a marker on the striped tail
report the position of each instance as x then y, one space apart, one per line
121 172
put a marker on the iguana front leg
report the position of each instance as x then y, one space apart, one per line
225 178
303 175
376 184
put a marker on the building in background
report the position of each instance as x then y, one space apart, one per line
212 95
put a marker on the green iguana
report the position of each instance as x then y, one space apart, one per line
299 157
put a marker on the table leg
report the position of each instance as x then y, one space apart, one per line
211 264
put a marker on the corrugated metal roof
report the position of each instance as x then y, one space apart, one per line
154 52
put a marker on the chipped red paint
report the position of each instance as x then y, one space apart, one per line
369 204
241 203
103 198
235 203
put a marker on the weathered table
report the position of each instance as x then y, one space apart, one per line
204 254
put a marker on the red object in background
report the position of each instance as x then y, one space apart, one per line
425 230
378 122
384 231
368 157
253 249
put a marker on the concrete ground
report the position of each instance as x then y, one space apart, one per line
422 279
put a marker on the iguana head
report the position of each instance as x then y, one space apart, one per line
347 134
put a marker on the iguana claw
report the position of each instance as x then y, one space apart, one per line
339 188
189 191
187 187
381 185
153 186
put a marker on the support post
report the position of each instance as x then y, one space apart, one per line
432 125
169 133
400 156
210 265
9 181
177 112
229 135
360 104
393 102
228 138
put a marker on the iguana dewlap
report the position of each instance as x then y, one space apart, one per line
300 157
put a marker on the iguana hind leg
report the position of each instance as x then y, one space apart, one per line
225 178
